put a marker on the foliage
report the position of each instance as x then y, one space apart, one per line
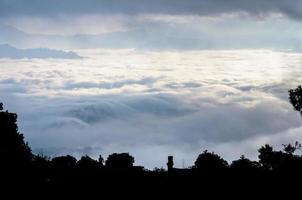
64 161
13 149
210 162
120 160
295 98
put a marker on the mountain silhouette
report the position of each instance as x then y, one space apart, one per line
8 51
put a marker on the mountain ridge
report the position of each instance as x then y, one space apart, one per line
8 51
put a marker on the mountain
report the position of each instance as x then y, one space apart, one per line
8 51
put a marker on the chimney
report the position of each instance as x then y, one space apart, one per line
170 163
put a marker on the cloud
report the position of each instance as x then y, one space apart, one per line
116 128
111 85
154 103
121 108
158 24
70 25
159 95
204 7
182 32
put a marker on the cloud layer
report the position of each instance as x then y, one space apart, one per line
158 24
154 103
204 7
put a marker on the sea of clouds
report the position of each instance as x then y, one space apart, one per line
154 103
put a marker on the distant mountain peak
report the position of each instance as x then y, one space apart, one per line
8 51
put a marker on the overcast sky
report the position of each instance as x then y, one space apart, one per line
44 8
158 24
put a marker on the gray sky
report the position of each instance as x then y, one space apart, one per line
158 24
44 8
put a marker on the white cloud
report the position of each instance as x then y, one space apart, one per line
168 102
70 25
237 30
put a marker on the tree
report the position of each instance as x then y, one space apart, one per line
87 162
295 98
101 160
40 160
244 165
266 157
210 162
120 160
64 161
278 160
13 149
290 149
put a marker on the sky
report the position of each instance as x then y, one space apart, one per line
152 78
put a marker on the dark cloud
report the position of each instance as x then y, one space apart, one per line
121 108
200 7
111 85
183 85
112 125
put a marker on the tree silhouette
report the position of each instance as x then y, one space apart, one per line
210 162
13 149
101 161
266 156
244 165
87 162
273 168
64 161
278 161
295 98
40 161
120 160
290 149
